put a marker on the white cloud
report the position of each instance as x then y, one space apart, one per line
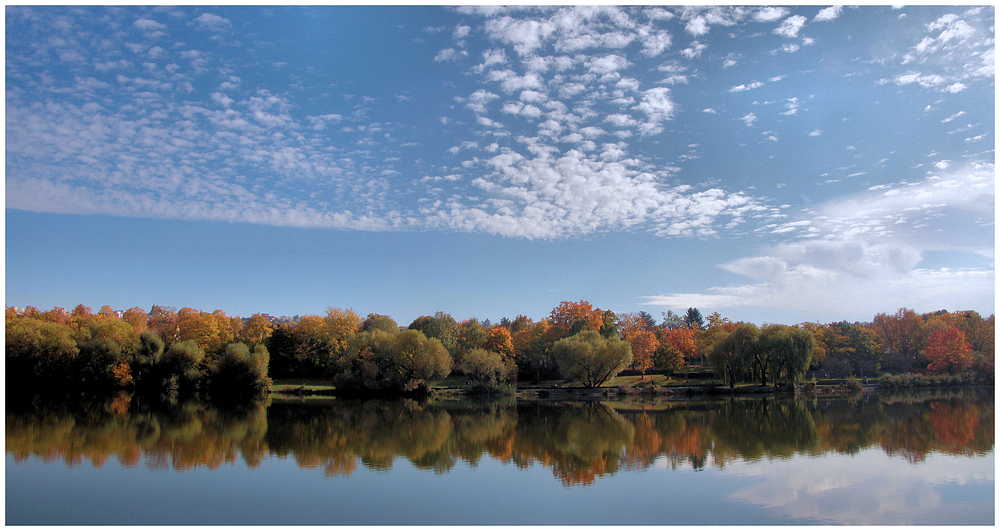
697 26
744 88
770 14
146 24
952 117
791 26
479 99
606 64
658 106
867 249
749 119
450 54
213 22
816 132
694 51
828 13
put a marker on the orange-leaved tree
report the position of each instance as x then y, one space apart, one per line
948 351
499 340
644 344
570 317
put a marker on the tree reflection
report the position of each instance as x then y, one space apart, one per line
579 442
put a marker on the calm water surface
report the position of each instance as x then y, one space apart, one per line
899 459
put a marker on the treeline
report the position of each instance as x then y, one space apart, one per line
577 442
160 352
191 349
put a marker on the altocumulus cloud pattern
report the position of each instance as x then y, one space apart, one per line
849 142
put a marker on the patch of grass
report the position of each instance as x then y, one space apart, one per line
310 384
453 380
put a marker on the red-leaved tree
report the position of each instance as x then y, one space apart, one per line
948 351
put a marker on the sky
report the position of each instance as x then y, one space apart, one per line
772 164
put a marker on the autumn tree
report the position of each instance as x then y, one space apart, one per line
201 327
499 340
948 351
115 331
718 328
851 349
644 344
677 348
471 335
57 315
163 321
899 335
819 333
338 327
532 351
138 318
256 330
590 358
571 317
101 365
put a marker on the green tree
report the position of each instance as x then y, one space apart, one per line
375 321
590 358
488 370
400 362
240 372
693 319
471 335
786 351
440 326
672 321
180 365
731 356
609 327
852 348
38 352
147 360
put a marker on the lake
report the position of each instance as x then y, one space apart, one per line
893 459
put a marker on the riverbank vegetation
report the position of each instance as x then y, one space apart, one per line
191 351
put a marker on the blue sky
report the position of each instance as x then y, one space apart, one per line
774 164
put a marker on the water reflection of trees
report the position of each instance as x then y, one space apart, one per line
578 442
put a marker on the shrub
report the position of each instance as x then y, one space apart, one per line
488 372
240 372
394 362
180 367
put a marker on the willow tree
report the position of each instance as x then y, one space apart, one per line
590 358
731 356
787 351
